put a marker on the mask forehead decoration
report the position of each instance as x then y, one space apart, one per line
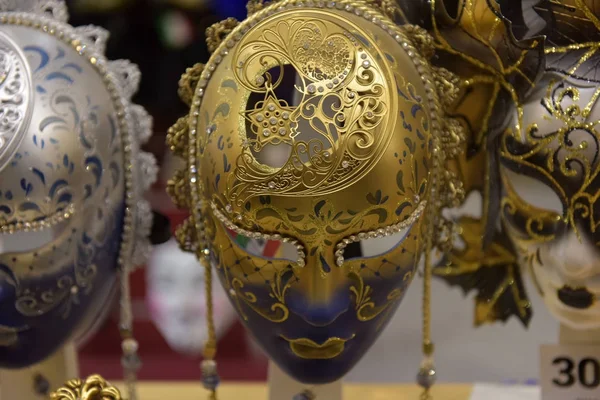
72 213
313 147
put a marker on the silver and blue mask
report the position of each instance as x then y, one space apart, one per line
72 177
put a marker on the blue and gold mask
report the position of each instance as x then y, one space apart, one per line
312 149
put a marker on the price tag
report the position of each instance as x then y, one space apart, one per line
570 372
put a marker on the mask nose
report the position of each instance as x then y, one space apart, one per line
323 294
317 314
577 258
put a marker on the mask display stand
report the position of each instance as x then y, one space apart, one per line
282 387
38 381
569 336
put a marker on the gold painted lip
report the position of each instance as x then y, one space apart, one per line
308 349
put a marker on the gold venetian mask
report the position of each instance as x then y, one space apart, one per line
312 150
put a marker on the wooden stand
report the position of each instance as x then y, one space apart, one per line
282 387
36 382
569 336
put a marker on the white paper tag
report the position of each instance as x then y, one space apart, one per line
570 372
504 392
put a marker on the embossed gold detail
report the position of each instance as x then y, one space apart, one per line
216 33
366 309
93 388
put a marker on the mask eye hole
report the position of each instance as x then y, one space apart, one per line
533 192
377 243
270 249
266 246
24 242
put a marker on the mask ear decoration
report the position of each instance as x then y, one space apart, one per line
217 33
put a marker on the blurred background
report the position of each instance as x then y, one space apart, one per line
164 37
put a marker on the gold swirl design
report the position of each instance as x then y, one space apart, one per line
93 388
344 100
558 157
278 312
366 310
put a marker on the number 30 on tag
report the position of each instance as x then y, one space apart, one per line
570 372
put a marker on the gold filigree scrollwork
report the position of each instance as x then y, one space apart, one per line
177 137
218 32
178 189
93 388
255 6
553 156
388 7
187 237
278 312
366 309
453 138
188 82
421 39
449 87
344 101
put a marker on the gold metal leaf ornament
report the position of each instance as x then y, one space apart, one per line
93 388
492 272
216 33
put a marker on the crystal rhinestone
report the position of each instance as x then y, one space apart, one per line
232 292
331 4
345 164
321 89
306 395
131 362
271 107
311 89
285 115
426 377
282 131
363 56
260 118
129 346
41 385
330 85
210 382
348 7
272 185
362 235
228 208
260 80
417 199
336 81
366 64
351 95
370 114
273 121
266 133
301 263
340 261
